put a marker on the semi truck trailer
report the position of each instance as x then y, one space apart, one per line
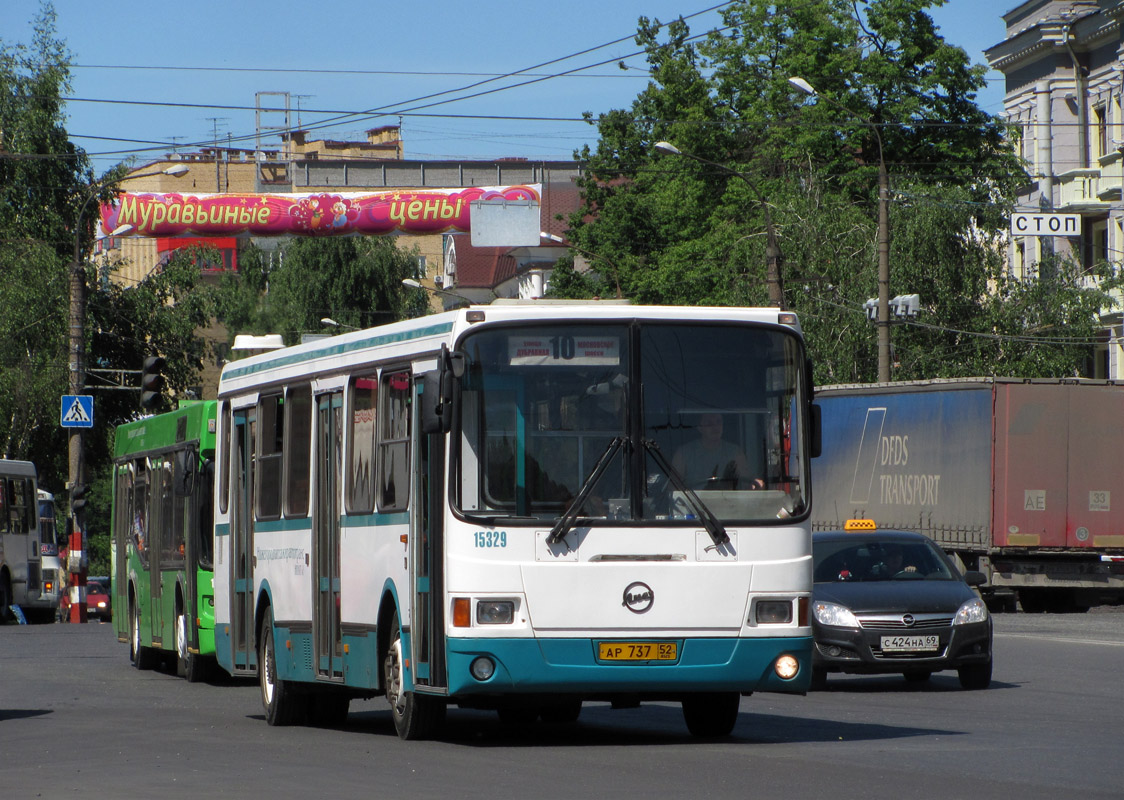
1015 478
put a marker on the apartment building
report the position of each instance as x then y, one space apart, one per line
1063 61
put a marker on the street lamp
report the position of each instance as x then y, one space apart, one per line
883 231
331 323
588 254
413 284
77 365
774 280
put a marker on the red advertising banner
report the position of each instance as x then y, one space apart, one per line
317 214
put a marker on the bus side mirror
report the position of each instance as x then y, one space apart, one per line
437 392
816 420
185 472
436 401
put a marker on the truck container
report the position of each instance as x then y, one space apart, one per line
1015 478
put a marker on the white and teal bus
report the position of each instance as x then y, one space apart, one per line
481 509
24 589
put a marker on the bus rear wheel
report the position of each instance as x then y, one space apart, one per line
711 714
142 657
283 704
188 665
416 716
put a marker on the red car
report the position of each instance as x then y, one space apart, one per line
97 601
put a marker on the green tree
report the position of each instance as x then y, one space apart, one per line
692 229
357 281
48 194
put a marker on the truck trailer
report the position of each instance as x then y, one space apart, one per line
1015 478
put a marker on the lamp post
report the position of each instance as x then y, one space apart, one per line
774 280
883 231
331 323
77 381
413 284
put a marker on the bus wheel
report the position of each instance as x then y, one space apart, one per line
143 657
415 716
5 599
188 665
711 714
283 705
565 712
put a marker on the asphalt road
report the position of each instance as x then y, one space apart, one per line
76 720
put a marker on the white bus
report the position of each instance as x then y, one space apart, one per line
480 509
21 571
54 571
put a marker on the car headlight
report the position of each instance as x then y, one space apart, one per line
972 611
834 614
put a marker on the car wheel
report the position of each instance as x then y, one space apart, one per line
143 657
819 679
917 676
416 716
975 676
514 715
712 714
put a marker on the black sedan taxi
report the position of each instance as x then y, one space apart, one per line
892 602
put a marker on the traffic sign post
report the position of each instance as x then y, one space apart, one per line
77 411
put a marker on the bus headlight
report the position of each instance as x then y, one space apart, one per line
773 612
495 612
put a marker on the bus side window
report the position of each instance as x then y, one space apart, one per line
298 452
271 452
140 511
394 441
361 445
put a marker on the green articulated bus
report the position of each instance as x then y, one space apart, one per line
163 539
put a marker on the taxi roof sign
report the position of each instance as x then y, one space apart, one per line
859 525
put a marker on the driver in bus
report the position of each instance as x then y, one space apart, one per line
712 462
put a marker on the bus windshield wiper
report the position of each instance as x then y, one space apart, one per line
571 515
713 526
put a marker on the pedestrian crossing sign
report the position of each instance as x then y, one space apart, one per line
77 411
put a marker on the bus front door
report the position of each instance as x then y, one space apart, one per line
326 629
427 533
242 531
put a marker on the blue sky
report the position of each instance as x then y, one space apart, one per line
154 74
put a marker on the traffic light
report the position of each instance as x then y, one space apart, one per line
78 497
152 381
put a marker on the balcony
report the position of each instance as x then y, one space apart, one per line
1092 189
1079 190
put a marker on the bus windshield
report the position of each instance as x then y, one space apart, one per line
642 420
